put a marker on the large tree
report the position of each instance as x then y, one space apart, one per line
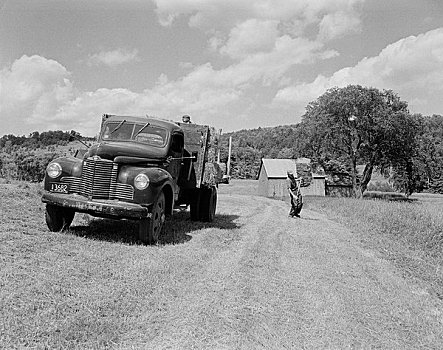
424 170
360 125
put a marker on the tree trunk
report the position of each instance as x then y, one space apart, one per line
410 185
367 173
355 187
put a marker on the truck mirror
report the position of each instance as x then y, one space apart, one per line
194 156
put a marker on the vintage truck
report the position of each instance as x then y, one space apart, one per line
141 168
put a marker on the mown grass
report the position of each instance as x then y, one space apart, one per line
409 233
95 286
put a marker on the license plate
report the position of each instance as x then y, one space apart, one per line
59 188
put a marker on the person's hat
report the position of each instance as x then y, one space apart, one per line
290 172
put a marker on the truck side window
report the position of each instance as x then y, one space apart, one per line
177 143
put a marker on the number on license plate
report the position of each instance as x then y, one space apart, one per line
59 188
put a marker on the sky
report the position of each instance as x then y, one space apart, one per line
231 64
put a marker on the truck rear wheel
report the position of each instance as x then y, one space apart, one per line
208 203
58 218
152 228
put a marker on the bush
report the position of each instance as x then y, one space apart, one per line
380 186
32 167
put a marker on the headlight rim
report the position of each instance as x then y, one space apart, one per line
145 183
58 169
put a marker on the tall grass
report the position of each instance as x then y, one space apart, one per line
408 233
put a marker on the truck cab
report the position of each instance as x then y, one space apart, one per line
139 169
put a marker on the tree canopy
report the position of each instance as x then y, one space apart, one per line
360 125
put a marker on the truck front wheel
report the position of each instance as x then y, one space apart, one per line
152 228
58 218
208 203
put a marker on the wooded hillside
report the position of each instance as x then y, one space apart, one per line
250 146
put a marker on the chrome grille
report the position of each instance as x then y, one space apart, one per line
122 191
75 183
98 180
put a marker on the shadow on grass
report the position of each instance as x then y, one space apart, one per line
307 218
388 196
176 232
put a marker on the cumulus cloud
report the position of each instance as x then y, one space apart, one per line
38 92
33 89
249 37
264 40
412 67
218 15
338 24
241 28
113 58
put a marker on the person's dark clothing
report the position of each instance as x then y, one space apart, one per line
296 196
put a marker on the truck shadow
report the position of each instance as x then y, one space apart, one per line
178 230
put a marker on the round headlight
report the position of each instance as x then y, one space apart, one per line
54 170
141 181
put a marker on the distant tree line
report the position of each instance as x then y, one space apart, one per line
37 140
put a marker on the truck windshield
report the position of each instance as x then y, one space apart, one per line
148 134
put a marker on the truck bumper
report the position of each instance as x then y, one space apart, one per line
97 207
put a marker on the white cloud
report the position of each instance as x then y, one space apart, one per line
113 58
218 15
40 89
249 37
337 24
36 93
264 38
238 28
412 67
33 88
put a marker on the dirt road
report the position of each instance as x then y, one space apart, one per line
275 282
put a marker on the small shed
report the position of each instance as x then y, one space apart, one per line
272 179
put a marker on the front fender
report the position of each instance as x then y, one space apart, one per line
70 167
158 179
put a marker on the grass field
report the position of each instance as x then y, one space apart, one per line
96 287
410 234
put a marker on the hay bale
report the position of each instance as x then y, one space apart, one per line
303 170
212 174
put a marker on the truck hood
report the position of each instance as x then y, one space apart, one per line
110 150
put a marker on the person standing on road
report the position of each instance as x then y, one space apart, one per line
295 194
